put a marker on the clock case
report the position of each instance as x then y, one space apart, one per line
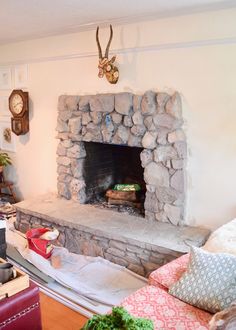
20 122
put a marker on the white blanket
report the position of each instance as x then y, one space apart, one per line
93 277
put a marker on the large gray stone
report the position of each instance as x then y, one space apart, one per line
162 135
96 117
151 188
62 136
156 174
174 106
149 140
86 118
167 194
177 164
128 121
65 115
148 122
116 260
90 248
75 125
123 133
162 98
149 267
177 180
71 102
84 103
164 153
134 141
116 117
117 244
148 103
66 143
151 202
138 130
106 135
150 216
161 216
124 103
61 151
137 102
181 148
146 157
62 126
115 252
138 269
63 190
107 128
76 185
77 151
177 135
62 160
63 169
173 213
137 118
108 123
94 130
64 178
102 103
165 120
77 168
61 103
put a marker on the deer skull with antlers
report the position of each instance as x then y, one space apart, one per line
106 66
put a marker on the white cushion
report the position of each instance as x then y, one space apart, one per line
223 239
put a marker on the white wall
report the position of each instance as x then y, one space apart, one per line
194 55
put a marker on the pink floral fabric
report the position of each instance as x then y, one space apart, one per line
166 311
170 273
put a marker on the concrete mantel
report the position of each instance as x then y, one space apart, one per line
129 241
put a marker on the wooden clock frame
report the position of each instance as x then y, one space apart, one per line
20 122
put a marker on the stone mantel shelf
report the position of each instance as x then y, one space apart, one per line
113 225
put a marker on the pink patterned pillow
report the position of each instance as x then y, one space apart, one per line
170 273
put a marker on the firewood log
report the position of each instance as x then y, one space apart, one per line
122 202
122 195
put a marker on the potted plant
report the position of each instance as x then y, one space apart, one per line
4 161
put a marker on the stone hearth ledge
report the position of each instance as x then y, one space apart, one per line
113 225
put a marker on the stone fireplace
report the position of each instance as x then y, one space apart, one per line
107 139
124 138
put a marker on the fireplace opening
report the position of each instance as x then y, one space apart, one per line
108 165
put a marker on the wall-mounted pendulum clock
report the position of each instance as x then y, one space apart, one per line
19 107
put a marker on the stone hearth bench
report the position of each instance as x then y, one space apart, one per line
130 241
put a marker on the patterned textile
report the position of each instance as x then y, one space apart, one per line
165 311
210 281
170 273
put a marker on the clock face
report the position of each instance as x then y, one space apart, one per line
16 104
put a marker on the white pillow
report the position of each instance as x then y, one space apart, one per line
223 239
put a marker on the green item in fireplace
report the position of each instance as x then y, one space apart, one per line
127 187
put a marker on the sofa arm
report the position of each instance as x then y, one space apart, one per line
168 274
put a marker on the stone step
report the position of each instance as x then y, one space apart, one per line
119 237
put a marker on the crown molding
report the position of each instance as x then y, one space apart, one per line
142 49
125 20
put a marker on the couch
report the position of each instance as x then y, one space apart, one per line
167 312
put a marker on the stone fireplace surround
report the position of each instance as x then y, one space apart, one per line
151 121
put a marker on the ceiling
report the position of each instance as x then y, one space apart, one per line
27 19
